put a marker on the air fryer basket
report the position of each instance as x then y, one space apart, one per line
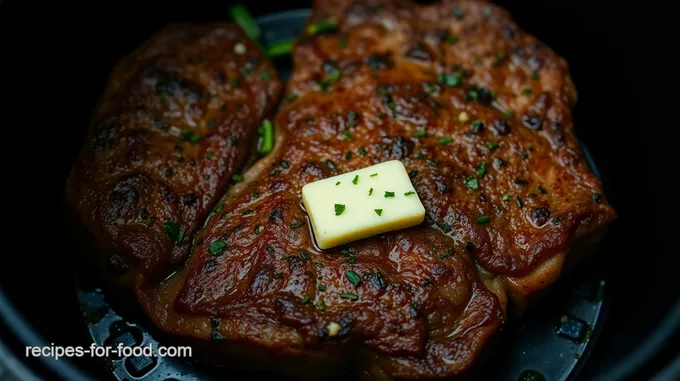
628 302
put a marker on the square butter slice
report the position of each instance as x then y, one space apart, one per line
362 203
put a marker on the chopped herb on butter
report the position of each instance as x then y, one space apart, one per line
355 180
389 194
339 208
378 212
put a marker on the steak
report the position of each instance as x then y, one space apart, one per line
175 123
480 113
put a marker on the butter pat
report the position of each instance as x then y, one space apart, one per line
361 204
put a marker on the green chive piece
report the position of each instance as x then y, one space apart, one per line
419 134
291 97
355 180
352 260
445 140
527 91
236 178
349 296
338 183
519 202
219 208
173 231
370 191
450 80
446 228
409 193
320 305
500 58
491 145
339 208
509 113
483 219
472 183
347 135
389 194
267 137
306 299
506 197
362 151
374 175
322 26
481 170
378 212
280 48
243 18
353 277
348 155
217 247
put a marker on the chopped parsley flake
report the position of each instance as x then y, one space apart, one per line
419 134
355 180
491 145
446 228
506 197
483 219
445 140
409 193
353 277
370 191
306 299
472 183
378 211
389 194
481 170
174 232
349 296
217 247
374 175
339 208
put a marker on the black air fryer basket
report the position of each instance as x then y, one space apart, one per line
617 319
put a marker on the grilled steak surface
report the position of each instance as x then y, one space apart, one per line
478 111
480 114
175 122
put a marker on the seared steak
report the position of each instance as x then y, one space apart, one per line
480 114
174 124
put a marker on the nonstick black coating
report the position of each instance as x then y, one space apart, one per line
551 345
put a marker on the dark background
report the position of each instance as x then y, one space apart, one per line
55 60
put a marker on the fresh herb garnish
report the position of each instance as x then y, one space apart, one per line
349 296
378 211
491 145
306 299
446 228
389 194
339 208
353 277
506 197
445 140
472 183
482 219
355 180
217 247
519 181
481 170
374 175
370 191
236 178
174 232
419 134
541 190
519 202
322 26
409 193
